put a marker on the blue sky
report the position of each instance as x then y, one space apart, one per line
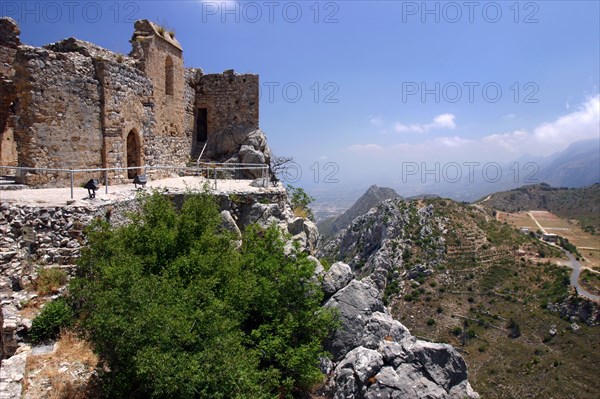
382 82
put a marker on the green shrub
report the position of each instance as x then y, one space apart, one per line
54 316
300 202
50 280
430 322
175 310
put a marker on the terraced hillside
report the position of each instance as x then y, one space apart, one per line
451 273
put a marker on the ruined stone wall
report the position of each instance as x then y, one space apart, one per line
9 41
59 124
126 109
232 101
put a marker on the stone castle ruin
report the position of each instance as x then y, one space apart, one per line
75 105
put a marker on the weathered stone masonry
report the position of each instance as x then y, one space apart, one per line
75 105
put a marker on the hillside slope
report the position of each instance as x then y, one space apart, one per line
373 196
452 273
582 203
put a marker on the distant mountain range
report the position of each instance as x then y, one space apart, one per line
576 166
368 200
581 203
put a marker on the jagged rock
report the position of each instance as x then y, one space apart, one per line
319 270
296 226
263 214
312 235
248 154
355 304
229 224
382 327
337 277
378 358
363 361
441 363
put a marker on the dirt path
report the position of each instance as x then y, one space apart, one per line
536 222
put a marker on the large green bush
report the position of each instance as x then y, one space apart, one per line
175 311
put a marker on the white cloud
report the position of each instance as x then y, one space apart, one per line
453 142
443 121
553 136
365 148
510 141
509 116
544 139
584 123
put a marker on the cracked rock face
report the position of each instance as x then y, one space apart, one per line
376 356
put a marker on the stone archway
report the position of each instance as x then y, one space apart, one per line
134 154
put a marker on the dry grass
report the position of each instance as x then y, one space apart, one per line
301 212
31 308
63 374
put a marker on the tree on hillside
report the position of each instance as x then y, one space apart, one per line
175 311
300 201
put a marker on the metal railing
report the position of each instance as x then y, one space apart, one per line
210 170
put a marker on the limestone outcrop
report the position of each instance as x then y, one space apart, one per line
375 356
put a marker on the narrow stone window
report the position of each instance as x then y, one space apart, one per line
169 76
202 125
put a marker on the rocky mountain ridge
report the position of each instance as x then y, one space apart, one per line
369 199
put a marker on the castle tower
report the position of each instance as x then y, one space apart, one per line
160 58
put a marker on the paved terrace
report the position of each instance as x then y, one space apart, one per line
48 197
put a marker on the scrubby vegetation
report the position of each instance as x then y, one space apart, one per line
590 281
50 280
174 310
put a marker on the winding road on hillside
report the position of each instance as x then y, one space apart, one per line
576 267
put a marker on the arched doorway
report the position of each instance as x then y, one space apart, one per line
133 155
